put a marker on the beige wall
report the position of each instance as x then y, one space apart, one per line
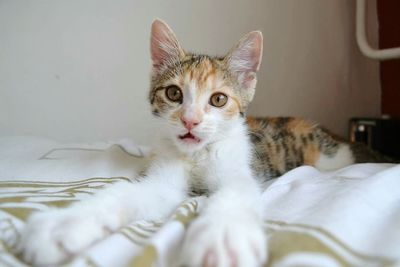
78 70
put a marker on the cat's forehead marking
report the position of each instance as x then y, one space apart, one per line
203 71
202 76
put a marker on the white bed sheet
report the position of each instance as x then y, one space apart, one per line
24 158
349 217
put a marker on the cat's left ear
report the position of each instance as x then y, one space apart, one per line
245 58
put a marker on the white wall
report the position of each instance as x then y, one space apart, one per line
79 69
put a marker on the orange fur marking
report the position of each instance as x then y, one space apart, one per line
252 123
231 111
300 126
311 155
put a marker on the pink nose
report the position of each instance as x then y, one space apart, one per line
189 123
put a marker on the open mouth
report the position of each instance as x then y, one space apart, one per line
190 138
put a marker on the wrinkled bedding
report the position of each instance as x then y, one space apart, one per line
349 217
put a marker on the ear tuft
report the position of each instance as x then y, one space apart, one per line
245 58
164 46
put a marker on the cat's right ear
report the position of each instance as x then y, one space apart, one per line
164 46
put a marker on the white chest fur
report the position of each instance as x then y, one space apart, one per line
199 169
218 163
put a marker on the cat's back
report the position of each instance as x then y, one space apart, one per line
283 143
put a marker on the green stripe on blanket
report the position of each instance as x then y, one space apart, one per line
143 243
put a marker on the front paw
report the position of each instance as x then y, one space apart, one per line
54 236
217 241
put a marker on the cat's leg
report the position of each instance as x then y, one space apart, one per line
229 231
52 236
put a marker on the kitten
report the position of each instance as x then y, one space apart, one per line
206 148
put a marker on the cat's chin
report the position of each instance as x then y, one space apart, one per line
189 145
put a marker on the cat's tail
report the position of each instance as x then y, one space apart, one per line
364 154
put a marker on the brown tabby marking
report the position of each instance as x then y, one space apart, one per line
281 144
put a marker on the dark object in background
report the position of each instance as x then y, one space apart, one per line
389 37
382 135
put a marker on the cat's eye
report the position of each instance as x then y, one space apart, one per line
218 100
174 94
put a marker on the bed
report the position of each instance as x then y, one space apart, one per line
349 217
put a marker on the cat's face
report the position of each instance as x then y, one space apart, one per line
200 98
